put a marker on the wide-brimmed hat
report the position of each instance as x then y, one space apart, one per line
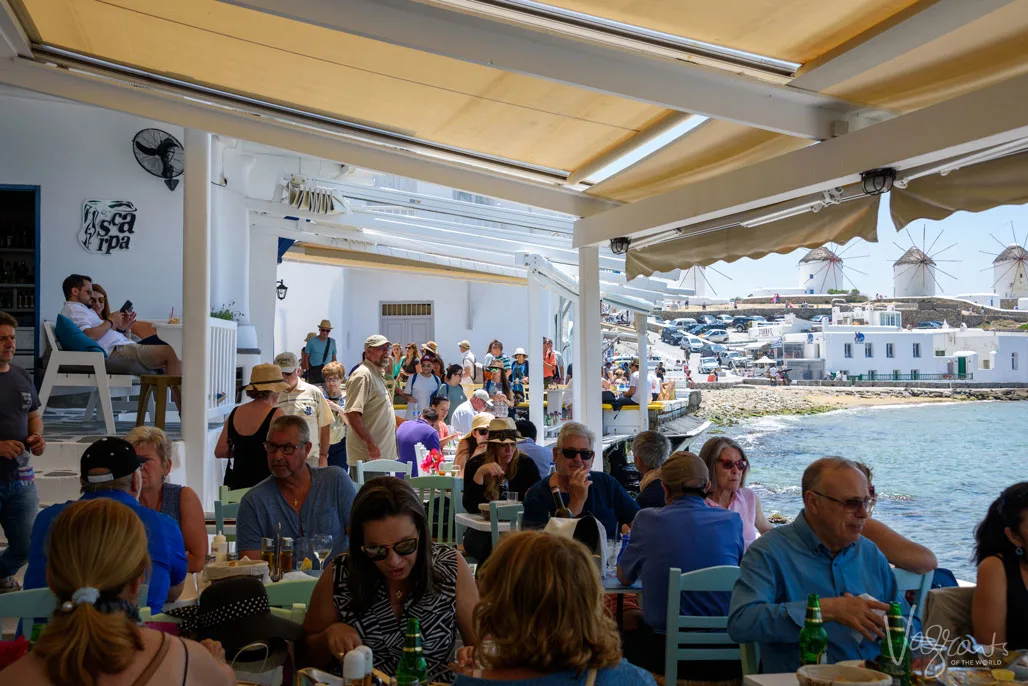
235 611
481 421
430 347
266 377
520 351
287 363
325 324
503 430
464 344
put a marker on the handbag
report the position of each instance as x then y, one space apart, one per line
230 472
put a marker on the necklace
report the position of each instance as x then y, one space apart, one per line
399 594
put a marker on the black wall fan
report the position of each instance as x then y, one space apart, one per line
161 154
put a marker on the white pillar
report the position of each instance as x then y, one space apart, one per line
536 330
644 372
263 279
590 344
196 307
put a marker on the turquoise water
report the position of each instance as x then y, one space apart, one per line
936 467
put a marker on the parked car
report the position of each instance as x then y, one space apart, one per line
737 359
929 325
708 364
707 319
757 318
693 330
712 350
821 319
693 344
725 318
671 334
684 322
717 336
741 323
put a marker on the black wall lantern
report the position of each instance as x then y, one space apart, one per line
281 289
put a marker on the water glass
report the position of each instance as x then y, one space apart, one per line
613 548
510 496
321 545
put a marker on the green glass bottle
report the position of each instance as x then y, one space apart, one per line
895 657
412 669
813 639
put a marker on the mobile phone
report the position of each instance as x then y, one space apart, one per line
127 307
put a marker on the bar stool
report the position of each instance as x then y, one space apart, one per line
158 384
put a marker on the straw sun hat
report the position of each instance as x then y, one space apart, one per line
481 421
266 377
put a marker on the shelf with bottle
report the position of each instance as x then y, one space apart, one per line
23 300
17 270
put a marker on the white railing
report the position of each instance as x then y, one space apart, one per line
221 373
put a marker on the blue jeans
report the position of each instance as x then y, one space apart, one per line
19 506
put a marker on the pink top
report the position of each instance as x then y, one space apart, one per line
744 501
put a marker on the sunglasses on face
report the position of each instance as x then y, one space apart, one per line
481 432
852 505
741 465
572 453
377 553
100 299
325 330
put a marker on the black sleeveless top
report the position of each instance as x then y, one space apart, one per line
1017 604
249 458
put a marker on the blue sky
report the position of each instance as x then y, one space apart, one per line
969 231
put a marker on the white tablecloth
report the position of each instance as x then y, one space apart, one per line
477 523
788 679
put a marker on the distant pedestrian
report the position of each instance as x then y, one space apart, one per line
369 407
307 401
319 351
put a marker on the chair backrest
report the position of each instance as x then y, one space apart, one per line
51 337
226 495
223 511
380 467
709 631
36 605
289 592
504 513
440 495
920 583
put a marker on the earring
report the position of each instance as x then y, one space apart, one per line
1019 551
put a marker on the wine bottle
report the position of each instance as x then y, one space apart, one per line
562 510
412 670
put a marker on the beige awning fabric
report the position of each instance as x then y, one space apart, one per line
974 189
840 223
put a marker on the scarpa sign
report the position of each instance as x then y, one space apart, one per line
107 226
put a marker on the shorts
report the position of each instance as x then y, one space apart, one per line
134 359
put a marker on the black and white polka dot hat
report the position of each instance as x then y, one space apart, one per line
235 612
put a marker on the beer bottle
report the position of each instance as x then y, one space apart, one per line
813 639
412 669
895 657
562 509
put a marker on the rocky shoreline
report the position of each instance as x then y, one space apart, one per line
726 406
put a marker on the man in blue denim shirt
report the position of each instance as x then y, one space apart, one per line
304 500
821 552
110 469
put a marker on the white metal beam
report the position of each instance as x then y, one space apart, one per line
643 390
13 41
677 85
911 28
207 113
950 128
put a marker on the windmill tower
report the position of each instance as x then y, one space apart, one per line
695 278
914 273
1010 269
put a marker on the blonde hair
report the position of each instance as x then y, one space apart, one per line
492 483
541 606
333 370
155 436
99 544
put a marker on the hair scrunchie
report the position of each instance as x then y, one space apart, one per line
86 594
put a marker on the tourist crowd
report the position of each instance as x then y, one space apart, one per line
537 611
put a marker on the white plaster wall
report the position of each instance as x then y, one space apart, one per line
316 292
1010 279
74 153
833 350
911 281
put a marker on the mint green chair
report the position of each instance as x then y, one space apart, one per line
504 513
436 492
227 507
909 581
39 603
369 469
709 631
289 592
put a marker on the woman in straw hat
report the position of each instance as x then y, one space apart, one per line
474 441
500 471
242 438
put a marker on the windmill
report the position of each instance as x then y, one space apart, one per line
1010 268
913 274
695 278
822 270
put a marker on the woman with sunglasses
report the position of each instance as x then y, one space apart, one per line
727 465
474 442
498 388
391 573
486 478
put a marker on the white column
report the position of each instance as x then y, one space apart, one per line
590 341
644 372
537 298
196 307
263 279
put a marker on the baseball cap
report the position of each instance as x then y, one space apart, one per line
483 396
114 455
684 470
464 344
287 362
375 340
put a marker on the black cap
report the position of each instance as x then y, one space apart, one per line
114 455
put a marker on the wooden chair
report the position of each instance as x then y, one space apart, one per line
68 368
158 385
381 468
227 507
436 492
710 631
504 513
909 581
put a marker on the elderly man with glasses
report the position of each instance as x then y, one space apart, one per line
305 500
581 489
821 551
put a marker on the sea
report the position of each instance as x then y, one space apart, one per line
937 467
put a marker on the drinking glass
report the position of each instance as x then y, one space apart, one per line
613 547
322 546
510 496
